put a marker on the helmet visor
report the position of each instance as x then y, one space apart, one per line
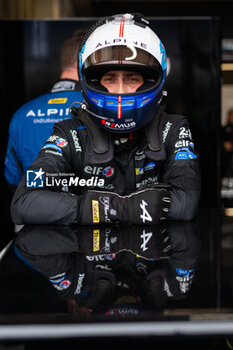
121 54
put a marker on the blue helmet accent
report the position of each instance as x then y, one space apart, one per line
128 102
127 112
164 57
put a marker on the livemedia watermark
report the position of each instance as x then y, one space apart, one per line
41 179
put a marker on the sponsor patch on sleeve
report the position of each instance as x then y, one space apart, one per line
96 240
95 212
52 146
185 153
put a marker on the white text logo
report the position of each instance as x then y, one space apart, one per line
145 215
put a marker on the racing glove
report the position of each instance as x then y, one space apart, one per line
149 242
147 206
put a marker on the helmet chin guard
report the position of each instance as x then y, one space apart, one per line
122 42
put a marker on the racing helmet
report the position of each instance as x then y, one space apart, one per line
122 42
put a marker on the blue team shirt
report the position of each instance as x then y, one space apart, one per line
32 124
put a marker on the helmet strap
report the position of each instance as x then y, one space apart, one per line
154 132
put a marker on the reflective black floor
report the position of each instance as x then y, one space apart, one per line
168 283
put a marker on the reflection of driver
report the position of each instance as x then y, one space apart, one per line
95 268
142 159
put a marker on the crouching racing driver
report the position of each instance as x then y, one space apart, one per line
121 135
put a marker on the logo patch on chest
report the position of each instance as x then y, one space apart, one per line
108 171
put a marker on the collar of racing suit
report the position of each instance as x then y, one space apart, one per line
102 142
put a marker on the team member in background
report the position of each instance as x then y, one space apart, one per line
33 123
142 159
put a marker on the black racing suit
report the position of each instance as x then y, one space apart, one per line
111 163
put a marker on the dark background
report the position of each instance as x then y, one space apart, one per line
29 64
